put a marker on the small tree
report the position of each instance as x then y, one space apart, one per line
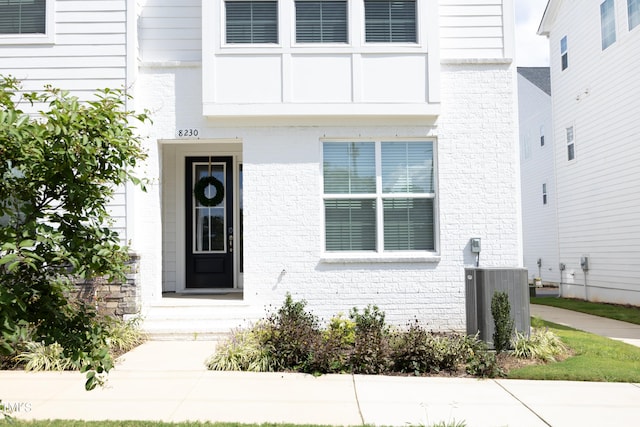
58 172
503 322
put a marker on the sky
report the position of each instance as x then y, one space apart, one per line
532 50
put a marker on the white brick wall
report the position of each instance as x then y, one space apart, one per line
477 189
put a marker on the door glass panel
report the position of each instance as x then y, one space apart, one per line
209 220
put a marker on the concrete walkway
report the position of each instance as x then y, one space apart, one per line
622 331
167 381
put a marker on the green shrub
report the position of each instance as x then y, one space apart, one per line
332 354
483 363
124 335
290 334
542 345
371 352
242 351
504 325
38 356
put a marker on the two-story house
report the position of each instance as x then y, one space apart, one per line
595 57
537 176
345 151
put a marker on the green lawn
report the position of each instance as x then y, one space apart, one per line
595 358
612 311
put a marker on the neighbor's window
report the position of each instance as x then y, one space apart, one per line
23 16
607 23
321 21
251 21
542 136
571 151
544 194
633 10
390 21
563 53
379 196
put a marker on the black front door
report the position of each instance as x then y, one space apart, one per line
209 222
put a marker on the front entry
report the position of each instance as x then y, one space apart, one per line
209 222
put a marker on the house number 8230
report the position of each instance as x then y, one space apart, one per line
187 133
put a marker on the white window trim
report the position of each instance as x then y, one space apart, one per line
47 38
380 255
223 28
419 38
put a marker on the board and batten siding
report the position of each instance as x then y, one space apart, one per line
471 29
598 197
171 31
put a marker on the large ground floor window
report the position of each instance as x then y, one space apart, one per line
379 195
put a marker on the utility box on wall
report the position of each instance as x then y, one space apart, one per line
481 284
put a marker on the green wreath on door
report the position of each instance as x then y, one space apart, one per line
202 184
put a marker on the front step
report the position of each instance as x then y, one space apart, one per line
196 318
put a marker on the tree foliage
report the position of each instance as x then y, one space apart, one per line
59 169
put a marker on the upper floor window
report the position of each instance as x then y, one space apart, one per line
379 196
571 149
563 53
608 23
251 21
321 21
542 136
23 17
633 9
391 21
544 194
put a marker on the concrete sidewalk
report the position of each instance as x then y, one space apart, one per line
622 331
167 381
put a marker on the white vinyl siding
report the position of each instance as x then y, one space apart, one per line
379 196
608 23
251 21
390 21
321 21
571 147
633 10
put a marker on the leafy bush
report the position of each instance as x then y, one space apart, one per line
483 363
124 335
291 339
58 172
371 352
332 354
243 351
290 334
41 357
504 325
542 345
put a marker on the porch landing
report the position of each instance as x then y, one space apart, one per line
189 317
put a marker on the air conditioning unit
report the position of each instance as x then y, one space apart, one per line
481 284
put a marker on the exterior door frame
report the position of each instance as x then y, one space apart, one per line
174 154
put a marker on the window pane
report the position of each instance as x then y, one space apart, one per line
390 21
349 168
321 21
571 152
407 167
608 23
252 22
408 224
350 225
22 17
633 8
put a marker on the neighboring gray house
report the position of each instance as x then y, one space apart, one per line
537 175
595 63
